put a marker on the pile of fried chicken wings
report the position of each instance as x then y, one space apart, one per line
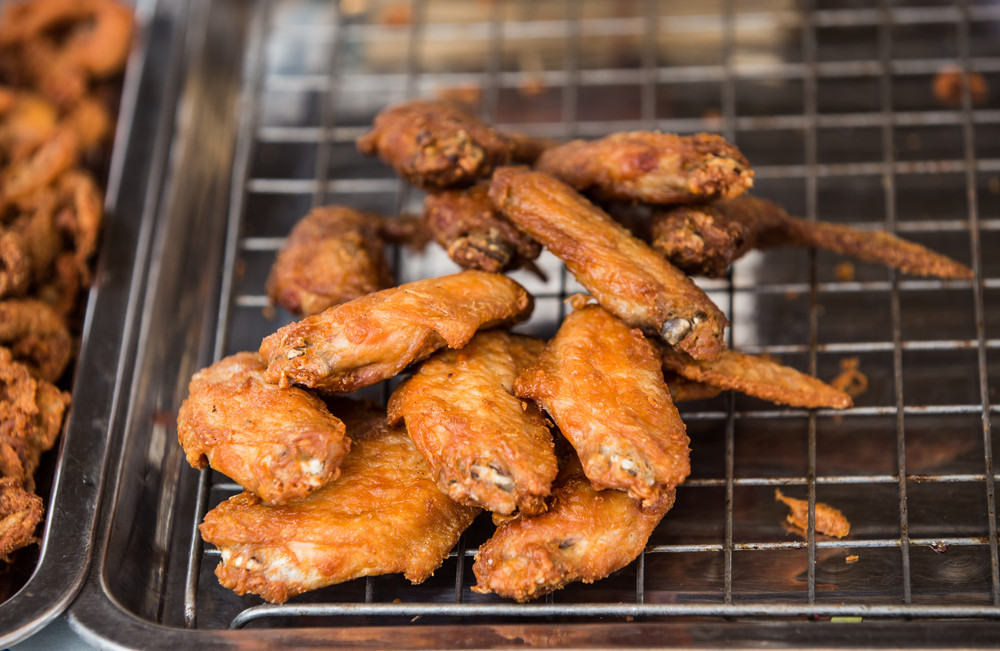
574 444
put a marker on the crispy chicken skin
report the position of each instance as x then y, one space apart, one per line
657 168
829 520
278 443
485 446
385 514
601 382
706 239
625 275
372 338
585 535
435 144
474 234
334 254
37 336
758 377
20 513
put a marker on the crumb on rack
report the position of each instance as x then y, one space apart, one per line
829 521
948 87
853 558
844 272
851 380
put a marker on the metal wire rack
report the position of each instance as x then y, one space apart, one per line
834 104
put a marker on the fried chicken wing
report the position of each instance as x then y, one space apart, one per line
758 377
601 382
657 168
279 444
37 336
484 446
626 276
20 513
334 254
383 515
685 390
707 239
435 144
474 234
585 535
372 338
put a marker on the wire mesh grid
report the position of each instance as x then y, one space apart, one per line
835 107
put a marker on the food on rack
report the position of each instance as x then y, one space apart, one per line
485 446
527 148
948 87
585 535
685 390
850 380
37 336
656 168
756 376
332 255
435 144
601 383
62 47
20 513
279 444
384 514
829 521
31 416
372 338
625 275
706 239
474 233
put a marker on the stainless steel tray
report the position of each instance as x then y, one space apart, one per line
833 105
105 359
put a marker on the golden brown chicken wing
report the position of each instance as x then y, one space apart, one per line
584 536
758 377
474 234
383 515
374 337
278 443
20 513
707 239
626 276
601 382
435 144
658 168
485 446
37 337
334 254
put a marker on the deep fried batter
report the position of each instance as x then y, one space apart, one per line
829 521
474 234
279 444
601 382
21 180
385 514
758 377
707 239
657 168
436 144
20 513
624 274
484 446
528 148
332 255
685 390
28 121
37 336
81 215
28 247
372 338
584 536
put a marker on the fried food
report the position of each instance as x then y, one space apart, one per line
485 447
601 382
20 513
372 338
685 390
706 239
37 336
657 168
585 535
625 276
279 444
332 255
850 380
476 236
22 179
383 515
528 148
758 377
829 521
435 144
81 215
28 248
27 121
